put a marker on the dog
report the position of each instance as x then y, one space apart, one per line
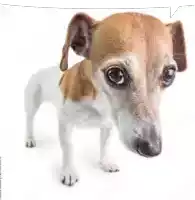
129 59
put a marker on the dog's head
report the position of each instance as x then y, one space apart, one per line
134 57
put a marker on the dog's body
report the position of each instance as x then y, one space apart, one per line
129 59
44 87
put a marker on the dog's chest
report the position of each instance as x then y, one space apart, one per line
87 113
87 117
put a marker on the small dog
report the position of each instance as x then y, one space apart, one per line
130 58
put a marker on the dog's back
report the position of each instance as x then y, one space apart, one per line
42 86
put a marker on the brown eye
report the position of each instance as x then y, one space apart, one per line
168 75
117 76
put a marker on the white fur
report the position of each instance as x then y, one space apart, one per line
44 86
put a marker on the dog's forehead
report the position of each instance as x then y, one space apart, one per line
140 34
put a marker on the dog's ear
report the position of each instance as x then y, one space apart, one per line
79 37
179 47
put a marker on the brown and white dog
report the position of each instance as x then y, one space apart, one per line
130 58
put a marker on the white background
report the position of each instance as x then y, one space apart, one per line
31 39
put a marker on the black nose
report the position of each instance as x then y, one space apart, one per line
147 149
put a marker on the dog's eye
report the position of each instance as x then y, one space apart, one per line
117 76
168 75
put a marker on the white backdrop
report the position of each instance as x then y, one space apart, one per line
31 39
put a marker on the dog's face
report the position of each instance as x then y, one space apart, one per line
134 57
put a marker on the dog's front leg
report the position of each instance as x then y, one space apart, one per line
105 162
68 174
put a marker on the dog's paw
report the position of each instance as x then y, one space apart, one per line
30 143
69 177
108 167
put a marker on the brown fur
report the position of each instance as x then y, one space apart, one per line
76 83
130 32
141 34
75 37
179 48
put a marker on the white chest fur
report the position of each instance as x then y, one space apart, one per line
90 113
81 113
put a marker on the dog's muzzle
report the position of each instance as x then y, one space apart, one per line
147 149
150 144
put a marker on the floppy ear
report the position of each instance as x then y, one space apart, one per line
179 48
79 37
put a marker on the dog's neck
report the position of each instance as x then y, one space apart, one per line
76 83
